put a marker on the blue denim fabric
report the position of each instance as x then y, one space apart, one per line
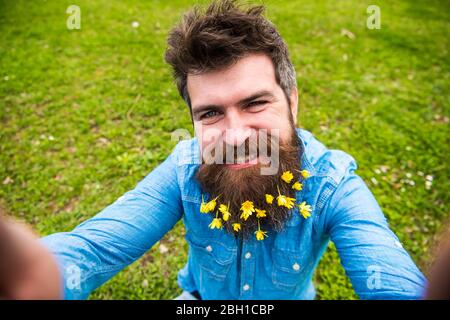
221 267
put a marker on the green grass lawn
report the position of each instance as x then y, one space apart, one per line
86 114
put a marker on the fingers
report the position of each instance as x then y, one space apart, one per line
11 262
27 269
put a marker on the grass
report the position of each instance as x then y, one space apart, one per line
86 114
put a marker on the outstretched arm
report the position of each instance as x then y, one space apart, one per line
102 246
372 256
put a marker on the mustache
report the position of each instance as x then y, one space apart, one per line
261 145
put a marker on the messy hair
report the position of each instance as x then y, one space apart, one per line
219 36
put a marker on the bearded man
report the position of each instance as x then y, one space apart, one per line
260 198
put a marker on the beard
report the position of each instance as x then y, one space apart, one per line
235 186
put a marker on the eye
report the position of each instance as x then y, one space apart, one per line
258 103
209 114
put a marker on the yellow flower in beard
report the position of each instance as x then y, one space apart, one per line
216 224
297 186
287 176
260 235
269 198
247 209
236 227
209 206
284 201
305 209
224 209
260 213
305 173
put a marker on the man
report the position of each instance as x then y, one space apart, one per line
260 198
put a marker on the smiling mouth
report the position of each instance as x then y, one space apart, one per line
243 163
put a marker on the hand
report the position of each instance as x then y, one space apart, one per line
27 269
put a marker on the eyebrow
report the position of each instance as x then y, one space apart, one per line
246 100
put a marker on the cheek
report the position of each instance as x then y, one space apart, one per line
207 135
271 121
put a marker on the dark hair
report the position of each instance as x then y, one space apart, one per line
220 35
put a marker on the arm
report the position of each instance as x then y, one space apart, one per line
371 254
102 246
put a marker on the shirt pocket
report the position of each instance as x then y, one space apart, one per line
289 269
214 257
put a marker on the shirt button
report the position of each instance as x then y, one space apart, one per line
248 255
209 248
296 266
246 287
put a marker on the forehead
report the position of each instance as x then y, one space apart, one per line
249 74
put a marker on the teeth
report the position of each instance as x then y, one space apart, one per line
246 159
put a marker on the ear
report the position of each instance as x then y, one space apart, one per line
293 99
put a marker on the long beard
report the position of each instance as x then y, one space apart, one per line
234 187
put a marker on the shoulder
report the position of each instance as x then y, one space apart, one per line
324 162
186 152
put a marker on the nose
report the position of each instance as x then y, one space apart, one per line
237 129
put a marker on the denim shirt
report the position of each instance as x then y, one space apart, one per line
220 266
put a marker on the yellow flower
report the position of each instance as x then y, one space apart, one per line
260 213
285 201
297 186
226 216
223 208
216 223
305 173
260 234
236 227
269 198
287 176
305 209
225 212
203 207
208 207
247 210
